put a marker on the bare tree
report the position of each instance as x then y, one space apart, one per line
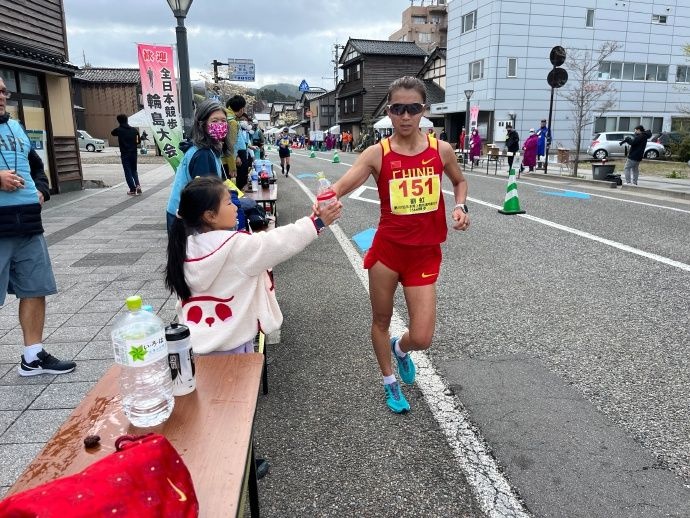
589 97
683 108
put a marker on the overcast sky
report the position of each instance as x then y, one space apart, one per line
289 40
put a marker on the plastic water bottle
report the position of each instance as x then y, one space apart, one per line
180 359
325 195
140 348
255 181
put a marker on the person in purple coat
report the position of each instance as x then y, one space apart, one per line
475 146
529 152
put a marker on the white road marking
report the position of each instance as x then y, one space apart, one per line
587 235
623 200
491 488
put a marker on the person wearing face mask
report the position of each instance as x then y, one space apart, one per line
201 155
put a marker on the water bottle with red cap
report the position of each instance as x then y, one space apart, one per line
325 195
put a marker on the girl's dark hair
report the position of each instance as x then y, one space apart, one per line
408 83
203 111
201 194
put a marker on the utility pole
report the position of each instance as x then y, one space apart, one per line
336 47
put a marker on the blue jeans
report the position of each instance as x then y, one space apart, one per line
129 164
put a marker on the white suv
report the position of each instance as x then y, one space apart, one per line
609 144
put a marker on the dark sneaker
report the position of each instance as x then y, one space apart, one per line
395 399
138 191
46 364
406 367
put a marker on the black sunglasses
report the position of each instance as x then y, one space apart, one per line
399 109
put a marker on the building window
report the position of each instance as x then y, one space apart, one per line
476 70
512 67
659 18
469 21
589 18
633 71
346 102
435 19
358 71
682 75
354 104
418 20
627 123
424 37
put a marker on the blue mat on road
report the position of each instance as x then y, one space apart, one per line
568 194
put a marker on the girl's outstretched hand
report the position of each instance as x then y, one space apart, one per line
330 213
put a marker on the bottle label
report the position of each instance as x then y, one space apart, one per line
142 352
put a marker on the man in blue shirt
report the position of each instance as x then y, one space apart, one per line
25 269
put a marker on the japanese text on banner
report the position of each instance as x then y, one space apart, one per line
159 92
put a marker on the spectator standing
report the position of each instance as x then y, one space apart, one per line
258 139
444 135
461 141
544 142
235 108
638 143
512 144
529 152
128 140
25 269
475 146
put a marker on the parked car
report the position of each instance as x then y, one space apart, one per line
609 144
89 143
668 139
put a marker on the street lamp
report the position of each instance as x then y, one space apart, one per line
468 94
180 9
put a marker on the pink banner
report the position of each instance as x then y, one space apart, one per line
159 92
474 114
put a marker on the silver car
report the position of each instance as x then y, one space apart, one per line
608 144
90 143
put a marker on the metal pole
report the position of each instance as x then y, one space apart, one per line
185 84
466 144
546 158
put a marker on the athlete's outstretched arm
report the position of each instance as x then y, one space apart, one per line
368 163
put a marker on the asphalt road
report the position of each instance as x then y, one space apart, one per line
562 333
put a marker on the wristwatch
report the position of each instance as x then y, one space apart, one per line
462 207
318 224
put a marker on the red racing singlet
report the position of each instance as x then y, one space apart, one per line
412 208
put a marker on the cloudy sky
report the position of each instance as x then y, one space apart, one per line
288 40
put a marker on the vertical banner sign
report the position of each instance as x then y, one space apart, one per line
159 91
474 114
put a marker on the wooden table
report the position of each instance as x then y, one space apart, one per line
268 198
211 429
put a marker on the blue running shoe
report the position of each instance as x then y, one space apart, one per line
406 367
395 399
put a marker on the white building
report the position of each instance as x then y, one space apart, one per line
500 50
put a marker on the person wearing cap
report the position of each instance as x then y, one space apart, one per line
529 152
638 143
544 139
283 143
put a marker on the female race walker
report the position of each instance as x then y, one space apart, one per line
408 168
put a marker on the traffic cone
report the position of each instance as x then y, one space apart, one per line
312 154
336 158
511 205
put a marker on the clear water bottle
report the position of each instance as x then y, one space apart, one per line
140 348
255 181
180 359
325 195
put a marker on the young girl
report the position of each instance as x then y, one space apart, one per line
225 292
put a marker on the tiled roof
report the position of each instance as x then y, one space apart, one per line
109 75
20 54
434 93
389 48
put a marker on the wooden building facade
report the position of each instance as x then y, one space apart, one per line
34 65
369 67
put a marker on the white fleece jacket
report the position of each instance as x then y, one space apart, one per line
232 293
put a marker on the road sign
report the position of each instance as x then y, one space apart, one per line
557 77
557 56
303 86
241 69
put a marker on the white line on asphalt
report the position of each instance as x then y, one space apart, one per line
492 490
587 235
541 186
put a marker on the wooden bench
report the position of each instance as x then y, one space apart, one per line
211 428
267 198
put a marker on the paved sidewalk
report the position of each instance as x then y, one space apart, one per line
104 246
